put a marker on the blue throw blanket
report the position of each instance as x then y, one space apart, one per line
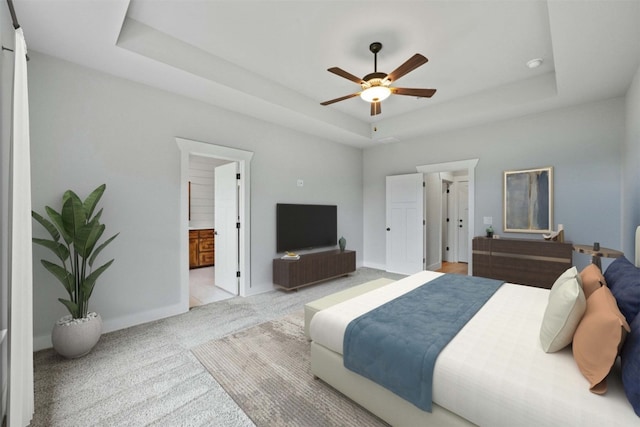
396 344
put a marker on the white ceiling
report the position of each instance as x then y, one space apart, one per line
268 59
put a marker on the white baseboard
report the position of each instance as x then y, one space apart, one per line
3 412
435 266
42 342
374 265
5 376
267 287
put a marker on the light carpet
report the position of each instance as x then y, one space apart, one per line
266 370
146 375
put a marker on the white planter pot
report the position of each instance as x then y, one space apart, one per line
74 338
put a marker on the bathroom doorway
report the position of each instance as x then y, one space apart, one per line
242 259
205 249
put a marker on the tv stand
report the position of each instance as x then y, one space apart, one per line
312 268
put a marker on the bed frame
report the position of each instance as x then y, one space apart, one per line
328 366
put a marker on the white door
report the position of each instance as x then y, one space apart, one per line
226 218
462 202
405 217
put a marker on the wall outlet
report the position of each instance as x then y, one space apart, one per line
488 220
300 183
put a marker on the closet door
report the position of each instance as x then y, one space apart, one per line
405 223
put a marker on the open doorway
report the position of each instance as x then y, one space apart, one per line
446 205
240 160
449 194
204 249
447 230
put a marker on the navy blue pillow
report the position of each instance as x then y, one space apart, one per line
623 278
630 358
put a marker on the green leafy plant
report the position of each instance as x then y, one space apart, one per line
80 230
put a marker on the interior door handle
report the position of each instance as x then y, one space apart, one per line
388 229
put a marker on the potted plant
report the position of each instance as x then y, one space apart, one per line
74 335
489 231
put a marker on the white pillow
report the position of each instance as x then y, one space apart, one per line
564 310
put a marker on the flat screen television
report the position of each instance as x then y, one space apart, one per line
305 226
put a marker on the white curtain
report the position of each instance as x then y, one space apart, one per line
20 405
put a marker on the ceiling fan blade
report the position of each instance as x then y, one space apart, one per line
342 98
376 108
342 73
410 64
423 93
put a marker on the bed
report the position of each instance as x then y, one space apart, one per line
492 373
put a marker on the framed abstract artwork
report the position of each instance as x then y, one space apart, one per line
528 201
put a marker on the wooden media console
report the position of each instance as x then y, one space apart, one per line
312 268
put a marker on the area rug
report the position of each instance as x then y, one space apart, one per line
266 370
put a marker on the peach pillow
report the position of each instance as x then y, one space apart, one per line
598 338
592 279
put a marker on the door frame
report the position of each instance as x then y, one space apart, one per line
470 166
458 181
433 199
190 147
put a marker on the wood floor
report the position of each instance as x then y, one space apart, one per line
454 267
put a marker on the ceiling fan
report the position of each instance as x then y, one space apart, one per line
377 86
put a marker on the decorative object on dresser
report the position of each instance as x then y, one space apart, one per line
79 226
312 268
342 242
489 231
525 261
201 248
556 236
528 201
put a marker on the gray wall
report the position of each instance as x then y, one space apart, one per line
631 169
88 128
583 144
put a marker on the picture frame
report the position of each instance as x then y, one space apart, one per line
528 200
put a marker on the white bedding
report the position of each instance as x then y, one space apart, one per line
494 372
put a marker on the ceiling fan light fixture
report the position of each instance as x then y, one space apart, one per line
375 93
376 86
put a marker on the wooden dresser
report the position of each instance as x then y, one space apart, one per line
201 248
526 261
